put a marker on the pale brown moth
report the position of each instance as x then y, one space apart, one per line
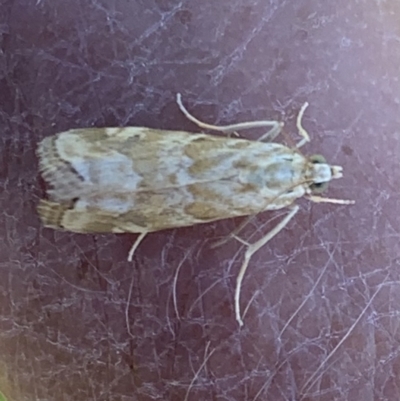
140 180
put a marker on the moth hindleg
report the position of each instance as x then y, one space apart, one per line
276 125
139 239
270 135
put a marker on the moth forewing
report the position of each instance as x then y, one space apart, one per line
140 180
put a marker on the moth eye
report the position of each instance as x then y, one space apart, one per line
317 159
319 187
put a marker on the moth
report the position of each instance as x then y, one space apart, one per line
141 180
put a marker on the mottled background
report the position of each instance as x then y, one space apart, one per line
78 322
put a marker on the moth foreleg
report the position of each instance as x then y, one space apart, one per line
320 199
251 250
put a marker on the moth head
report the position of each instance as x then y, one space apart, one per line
322 173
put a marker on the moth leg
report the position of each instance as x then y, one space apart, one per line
302 131
321 199
272 133
139 239
238 229
233 234
276 125
251 250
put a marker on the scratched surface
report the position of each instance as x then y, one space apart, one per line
322 300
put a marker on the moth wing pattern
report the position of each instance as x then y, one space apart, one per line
139 179
60 215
